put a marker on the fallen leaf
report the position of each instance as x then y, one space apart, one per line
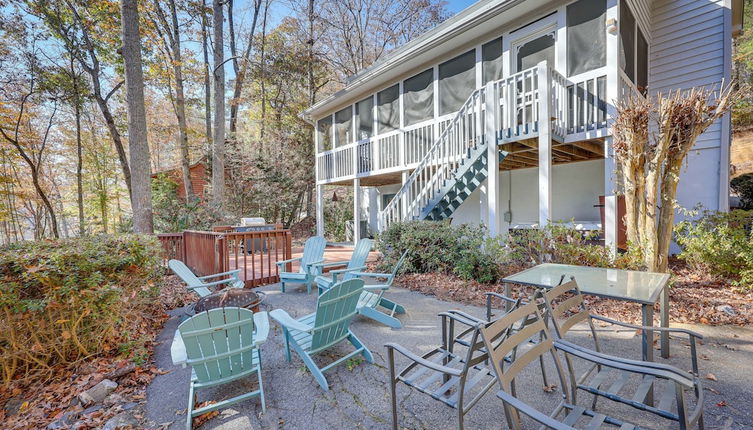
550 388
711 377
722 404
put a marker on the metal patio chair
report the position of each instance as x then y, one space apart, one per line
568 414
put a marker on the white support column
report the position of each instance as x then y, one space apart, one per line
356 210
610 179
483 188
545 146
320 210
493 203
404 202
373 209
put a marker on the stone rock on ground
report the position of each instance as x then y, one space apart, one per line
13 405
67 420
122 420
97 393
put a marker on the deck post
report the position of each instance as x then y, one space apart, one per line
545 145
404 202
610 184
320 210
356 210
492 156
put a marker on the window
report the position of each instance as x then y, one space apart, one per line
535 51
365 118
491 57
457 80
344 127
634 49
418 98
586 36
388 111
324 133
627 39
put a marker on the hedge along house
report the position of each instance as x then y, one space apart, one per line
501 115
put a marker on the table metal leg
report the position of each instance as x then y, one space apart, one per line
508 293
647 312
665 322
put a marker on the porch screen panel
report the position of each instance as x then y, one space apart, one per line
388 109
365 118
641 63
457 80
418 98
537 50
586 36
627 39
491 61
344 127
324 133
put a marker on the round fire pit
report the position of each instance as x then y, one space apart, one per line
231 297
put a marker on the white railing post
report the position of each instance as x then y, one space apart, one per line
320 210
356 210
545 145
492 156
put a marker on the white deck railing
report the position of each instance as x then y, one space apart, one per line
577 106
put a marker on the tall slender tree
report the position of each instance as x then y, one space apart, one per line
138 147
218 145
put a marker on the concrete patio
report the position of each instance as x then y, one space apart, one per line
359 397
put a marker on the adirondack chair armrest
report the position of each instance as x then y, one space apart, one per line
373 275
332 263
634 366
380 287
334 273
216 275
691 334
289 322
290 260
212 284
178 350
422 361
532 412
312 268
261 322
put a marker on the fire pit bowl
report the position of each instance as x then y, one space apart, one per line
231 297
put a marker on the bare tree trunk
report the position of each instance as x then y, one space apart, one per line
141 194
242 68
262 70
207 86
79 150
218 147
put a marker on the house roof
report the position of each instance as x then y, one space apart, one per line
451 34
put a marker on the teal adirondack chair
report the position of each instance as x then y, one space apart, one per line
373 297
313 253
199 284
357 262
221 346
325 328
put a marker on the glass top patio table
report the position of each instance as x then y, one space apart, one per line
629 285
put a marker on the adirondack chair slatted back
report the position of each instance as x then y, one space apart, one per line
397 267
517 338
313 250
219 343
360 254
335 310
184 273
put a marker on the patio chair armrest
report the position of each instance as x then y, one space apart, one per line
634 366
331 263
261 322
462 317
422 361
231 272
380 287
532 412
490 294
178 350
290 260
334 273
690 333
288 322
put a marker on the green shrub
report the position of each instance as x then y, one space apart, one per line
63 300
440 247
743 186
560 243
721 244
174 214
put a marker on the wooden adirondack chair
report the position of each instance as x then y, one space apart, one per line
222 346
313 253
357 262
568 415
373 297
199 284
325 328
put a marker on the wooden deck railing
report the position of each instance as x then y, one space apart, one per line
254 252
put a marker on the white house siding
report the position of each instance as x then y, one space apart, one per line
642 12
690 46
